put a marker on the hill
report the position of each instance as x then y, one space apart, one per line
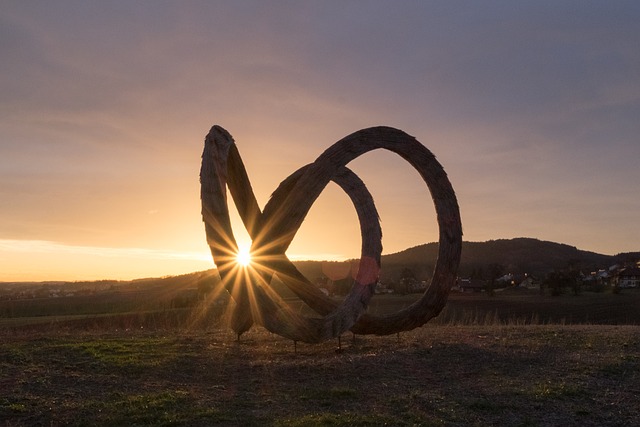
518 256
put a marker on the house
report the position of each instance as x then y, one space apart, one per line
603 276
629 277
506 280
528 282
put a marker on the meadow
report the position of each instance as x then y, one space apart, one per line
512 359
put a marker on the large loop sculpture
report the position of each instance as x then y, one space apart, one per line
273 229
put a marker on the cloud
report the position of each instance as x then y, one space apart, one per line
44 247
105 106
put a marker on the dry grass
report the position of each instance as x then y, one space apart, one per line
527 375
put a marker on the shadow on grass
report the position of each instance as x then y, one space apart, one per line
449 375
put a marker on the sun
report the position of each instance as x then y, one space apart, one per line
243 257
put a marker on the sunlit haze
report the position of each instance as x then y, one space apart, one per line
244 257
532 108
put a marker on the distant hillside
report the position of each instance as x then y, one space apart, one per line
521 255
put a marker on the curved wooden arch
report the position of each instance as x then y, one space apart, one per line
273 230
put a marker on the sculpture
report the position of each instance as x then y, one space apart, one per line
273 229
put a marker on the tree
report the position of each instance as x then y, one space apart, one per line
477 273
408 280
495 271
205 286
557 281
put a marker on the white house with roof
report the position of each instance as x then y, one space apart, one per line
629 277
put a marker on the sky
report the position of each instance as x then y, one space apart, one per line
532 108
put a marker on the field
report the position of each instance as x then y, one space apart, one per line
485 361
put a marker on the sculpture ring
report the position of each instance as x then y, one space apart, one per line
273 229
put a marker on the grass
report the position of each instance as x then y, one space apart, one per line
527 375
154 309
514 359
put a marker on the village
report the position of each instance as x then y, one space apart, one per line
614 278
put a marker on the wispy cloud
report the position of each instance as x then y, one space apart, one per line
43 246
324 257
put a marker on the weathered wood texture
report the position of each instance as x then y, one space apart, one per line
273 230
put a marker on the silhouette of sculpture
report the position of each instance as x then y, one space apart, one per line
273 229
